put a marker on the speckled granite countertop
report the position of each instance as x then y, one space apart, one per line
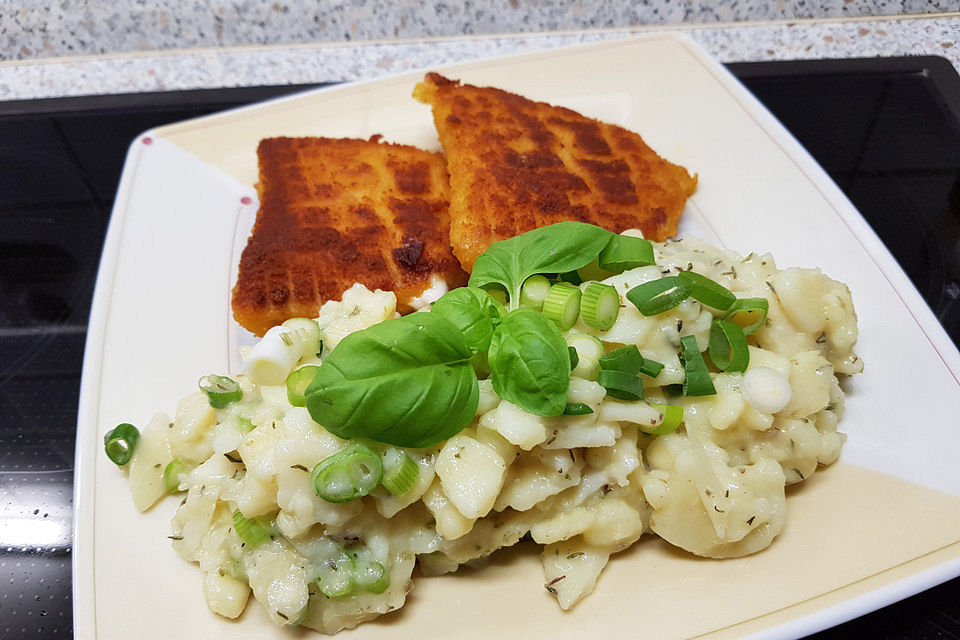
31 29
266 65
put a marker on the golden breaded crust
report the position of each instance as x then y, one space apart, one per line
516 164
338 211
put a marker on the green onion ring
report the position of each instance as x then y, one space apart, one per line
120 442
651 368
220 390
625 252
713 294
297 383
400 472
577 409
697 380
599 306
562 305
350 474
672 417
621 385
657 296
745 310
252 531
626 359
171 476
728 346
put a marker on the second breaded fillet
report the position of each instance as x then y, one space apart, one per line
516 164
338 211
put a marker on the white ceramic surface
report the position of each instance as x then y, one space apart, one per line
890 520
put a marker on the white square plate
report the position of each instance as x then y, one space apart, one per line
881 524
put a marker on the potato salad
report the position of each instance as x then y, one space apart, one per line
585 389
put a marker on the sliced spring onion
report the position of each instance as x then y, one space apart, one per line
599 306
562 305
272 359
252 531
369 575
672 417
577 409
697 380
574 358
626 252
400 472
220 390
651 368
120 442
765 389
534 292
713 294
626 359
307 333
348 475
589 349
297 383
621 385
171 475
728 346
655 297
336 577
749 313
246 424
498 293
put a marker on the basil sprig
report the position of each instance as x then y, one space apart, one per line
529 363
407 382
474 312
557 248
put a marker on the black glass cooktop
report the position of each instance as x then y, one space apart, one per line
887 131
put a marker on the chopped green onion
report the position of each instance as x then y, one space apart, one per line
252 531
246 424
577 409
697 381
220 390
749 313
574 358
657 296
498 293
297 383
171 476
120 442
672 417
369 575
713 294
626 252
305 331
534 292
651 368
589 349
336 577
562 305
626 359
600 306
348 475
728 346
621 385
400 472
571 277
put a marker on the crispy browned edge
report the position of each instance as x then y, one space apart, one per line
334 211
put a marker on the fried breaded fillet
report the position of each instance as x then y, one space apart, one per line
516 164
338 211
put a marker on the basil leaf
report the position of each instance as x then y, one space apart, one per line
407 382
473 311
557 248
529 363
